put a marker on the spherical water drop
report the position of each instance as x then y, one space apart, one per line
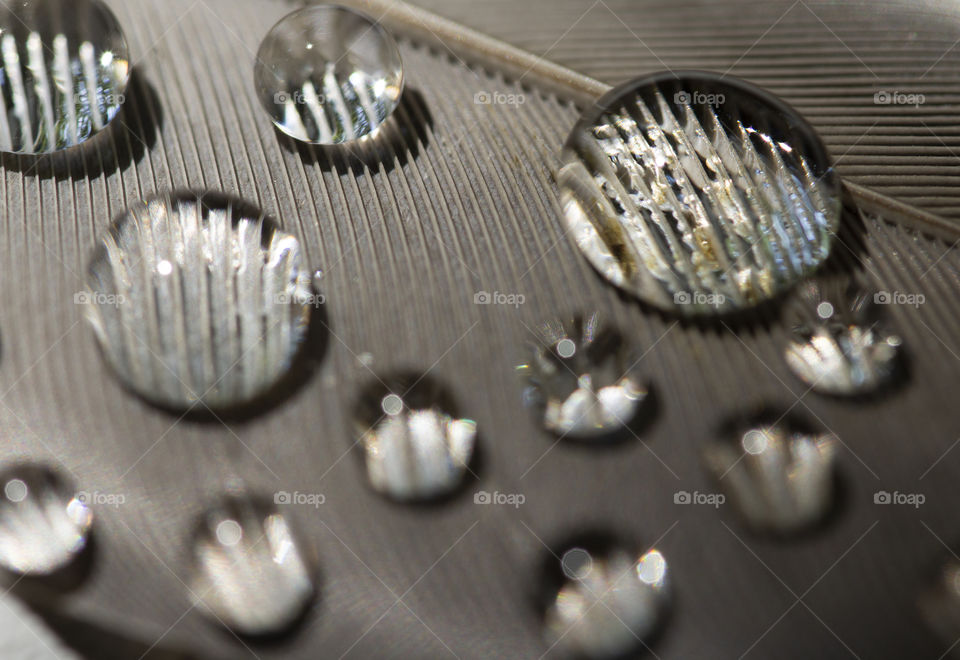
327 75
698 194
847 351
250 571
44 523
777 474
198 300
582 379
415 446
64 67
609 602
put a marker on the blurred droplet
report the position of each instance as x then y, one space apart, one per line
582 379
609 602
780 477
44 522
844 348
940 603
698 194
64 67
415 446
250 572
328 74
198 299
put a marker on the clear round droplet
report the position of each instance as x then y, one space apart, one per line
843 348
327 74
250 572
609 602
415 446
44 523
64 67
779 475
698 194
198 300
581 379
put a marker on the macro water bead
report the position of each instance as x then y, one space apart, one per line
698 193
327 75
64 67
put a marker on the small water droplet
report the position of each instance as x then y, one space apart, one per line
940 602
415 446
44 525
846 351
582 379
778 474
250 571
65 67
328 74
698 194
198 299
608 603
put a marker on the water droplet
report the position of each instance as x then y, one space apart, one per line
250 571
846 351
198 300
327 75
582 379
609 602
698 194
778 474
415 446
64 67
44 524
940 602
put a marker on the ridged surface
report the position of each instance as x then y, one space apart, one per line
828 59
462 201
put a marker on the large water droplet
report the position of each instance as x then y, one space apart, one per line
327 74
198 299
44 524
582 379
840 345
698 194
64 67
415 446
609 602
250 571
779 475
